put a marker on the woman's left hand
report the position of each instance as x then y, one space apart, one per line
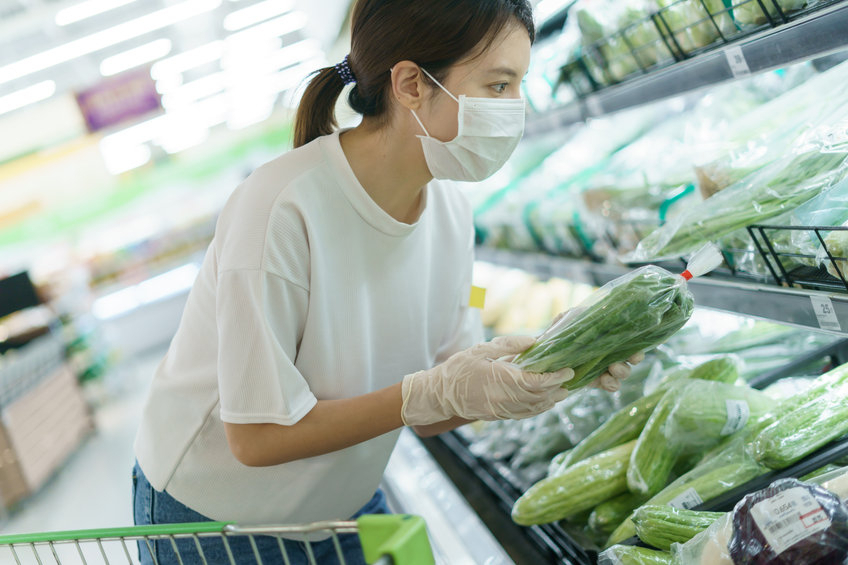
617 372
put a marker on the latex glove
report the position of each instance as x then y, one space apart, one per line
611 379
479 384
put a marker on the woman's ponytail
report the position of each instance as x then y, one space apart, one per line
316 110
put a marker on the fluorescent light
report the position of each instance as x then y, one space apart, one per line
121 157
87 9
295 53
26 96
188 60
162 286
135 57
106 38
256 13
292 21
194 90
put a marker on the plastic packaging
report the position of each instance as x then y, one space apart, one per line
835 481
692 417
803 430
630 314
751 13
709 547
661 526
692 26
787 523
579 488
731 466
771 191
634 555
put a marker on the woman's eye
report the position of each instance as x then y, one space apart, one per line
499 88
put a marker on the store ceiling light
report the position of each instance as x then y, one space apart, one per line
106 38
135 57
256 13
288 23
187 60
26 96
85 10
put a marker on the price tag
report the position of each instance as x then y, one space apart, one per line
686 499
825 313
737 416
789 517
737 62
594 106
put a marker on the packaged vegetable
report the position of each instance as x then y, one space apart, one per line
579 488
634 555
803 430
660 526
693 416
731 466
777 188
787 523
751 13
607 516
630 314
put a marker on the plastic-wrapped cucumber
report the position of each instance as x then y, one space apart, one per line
661 526
634 555
805 429
607 516
579 488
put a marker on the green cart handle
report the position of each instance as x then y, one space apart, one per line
401 536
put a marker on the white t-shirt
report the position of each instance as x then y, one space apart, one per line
308 291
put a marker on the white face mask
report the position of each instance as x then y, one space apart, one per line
488 131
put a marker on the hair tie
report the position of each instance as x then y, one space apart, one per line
344 71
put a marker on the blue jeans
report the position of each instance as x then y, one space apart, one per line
153 507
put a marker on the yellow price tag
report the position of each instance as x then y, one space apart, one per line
477 298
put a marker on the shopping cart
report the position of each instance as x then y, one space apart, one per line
386 539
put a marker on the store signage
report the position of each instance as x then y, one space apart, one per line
119 99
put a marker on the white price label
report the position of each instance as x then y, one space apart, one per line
737 62
737 416
686 499
789 517
826 315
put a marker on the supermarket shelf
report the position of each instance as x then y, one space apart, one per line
767 302
818 34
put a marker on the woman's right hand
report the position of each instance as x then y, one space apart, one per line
481 384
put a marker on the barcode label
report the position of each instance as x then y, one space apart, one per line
686 499
736 60
825 314
789 517
737 416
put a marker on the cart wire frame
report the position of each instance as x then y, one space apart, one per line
386 539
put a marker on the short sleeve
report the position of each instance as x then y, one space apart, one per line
260 319
467 327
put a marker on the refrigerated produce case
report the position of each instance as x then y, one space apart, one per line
791 287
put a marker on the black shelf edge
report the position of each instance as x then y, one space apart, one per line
818 34
766 302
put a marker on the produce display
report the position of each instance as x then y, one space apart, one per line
662 526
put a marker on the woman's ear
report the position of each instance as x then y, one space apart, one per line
408 86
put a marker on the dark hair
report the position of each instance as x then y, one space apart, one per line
434 34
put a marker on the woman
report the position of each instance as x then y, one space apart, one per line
332 306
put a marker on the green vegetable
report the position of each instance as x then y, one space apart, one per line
621 427
805 429
606 516
661 526
580 487
634 555
722 471
773 190
627 423
751 13
634 313
559 463
653 457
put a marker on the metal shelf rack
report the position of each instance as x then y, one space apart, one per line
796 307
816 34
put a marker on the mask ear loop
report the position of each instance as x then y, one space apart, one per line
448 92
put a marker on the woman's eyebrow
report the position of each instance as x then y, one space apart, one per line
502 71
